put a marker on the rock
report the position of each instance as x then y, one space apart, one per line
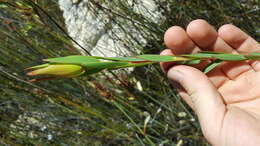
93 29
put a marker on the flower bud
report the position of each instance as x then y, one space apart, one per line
59 70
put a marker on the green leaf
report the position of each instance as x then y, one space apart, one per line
161 58
128 59
39 66
220 56
193 61
76 59
94 64
230 57
197 61
103 65
253 56
199 55
92 71
209 52
212 66
134 65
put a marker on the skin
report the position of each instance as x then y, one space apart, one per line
227 99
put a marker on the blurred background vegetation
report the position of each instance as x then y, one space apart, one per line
140 108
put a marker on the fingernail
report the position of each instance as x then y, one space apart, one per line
175 75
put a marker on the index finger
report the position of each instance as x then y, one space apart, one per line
178 41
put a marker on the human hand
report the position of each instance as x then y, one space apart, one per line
227 99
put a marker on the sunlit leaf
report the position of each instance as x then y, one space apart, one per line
104 65
199 55
76 59
189 62
38 66
209 52
253 56
212 66
95 64
93 71
161 58
230 57
130 59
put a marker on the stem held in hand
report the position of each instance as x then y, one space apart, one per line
73 66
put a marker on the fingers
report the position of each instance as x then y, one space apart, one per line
240 41
206 37
177 39
178 42
165 67
235 69
207 101
200 34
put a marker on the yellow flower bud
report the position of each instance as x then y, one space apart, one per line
59 70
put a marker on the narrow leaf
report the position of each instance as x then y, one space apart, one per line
209 52
212 66
197 61
134 65
161 58
93 71
230 57
128 59
220 56
253 56
199 55
38 66
76 59
103 65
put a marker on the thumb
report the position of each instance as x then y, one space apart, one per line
207 101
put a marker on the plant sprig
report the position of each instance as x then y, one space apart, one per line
72 66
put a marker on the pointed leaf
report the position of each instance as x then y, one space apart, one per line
212 66
38 66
